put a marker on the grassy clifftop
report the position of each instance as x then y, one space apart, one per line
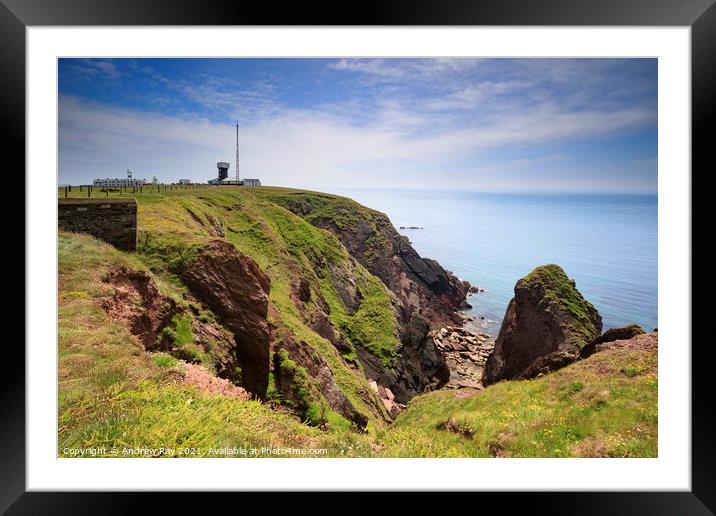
119 390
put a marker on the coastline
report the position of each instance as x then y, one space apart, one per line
607 242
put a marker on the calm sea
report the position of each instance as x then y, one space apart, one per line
607 243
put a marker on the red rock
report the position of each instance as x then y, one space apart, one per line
236 289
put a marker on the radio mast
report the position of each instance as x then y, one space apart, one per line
237 150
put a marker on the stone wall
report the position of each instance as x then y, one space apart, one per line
111 220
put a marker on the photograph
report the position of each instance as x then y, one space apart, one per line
357 257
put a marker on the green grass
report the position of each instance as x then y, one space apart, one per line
173 417
164 360
604 406
114 394
345 214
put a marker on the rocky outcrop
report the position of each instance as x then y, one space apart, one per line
388 398
233 286
546 325
220 344
640 342
137 304
612 334
421 366
421 284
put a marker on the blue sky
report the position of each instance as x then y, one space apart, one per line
561 125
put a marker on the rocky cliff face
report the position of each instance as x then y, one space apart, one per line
136 303
546 325
294 362
233 286
421 366
429 296
421 284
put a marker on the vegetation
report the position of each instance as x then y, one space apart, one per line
115 394
326 210
562 292
604 406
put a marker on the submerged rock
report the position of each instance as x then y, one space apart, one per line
546 325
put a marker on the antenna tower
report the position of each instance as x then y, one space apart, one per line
237 150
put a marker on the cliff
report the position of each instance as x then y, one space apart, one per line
422 285
299 298
273 317
429 296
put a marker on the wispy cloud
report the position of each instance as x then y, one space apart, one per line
405 68
298 147
491 123
93 68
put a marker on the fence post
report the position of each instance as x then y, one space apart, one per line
65 191
89 191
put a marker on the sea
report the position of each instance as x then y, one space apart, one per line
606 243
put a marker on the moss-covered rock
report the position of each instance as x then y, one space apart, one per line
546 325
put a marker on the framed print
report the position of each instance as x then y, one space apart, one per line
425 248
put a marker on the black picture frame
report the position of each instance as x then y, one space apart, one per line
700 15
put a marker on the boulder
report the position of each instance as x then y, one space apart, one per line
612 334
235 288
546 325
641 342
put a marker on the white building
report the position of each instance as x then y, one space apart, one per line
185 181
230 181
251 182
117 181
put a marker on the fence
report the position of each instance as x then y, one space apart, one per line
91 191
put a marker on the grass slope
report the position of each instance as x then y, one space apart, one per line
604 406
113 394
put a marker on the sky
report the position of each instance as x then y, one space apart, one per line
514 125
